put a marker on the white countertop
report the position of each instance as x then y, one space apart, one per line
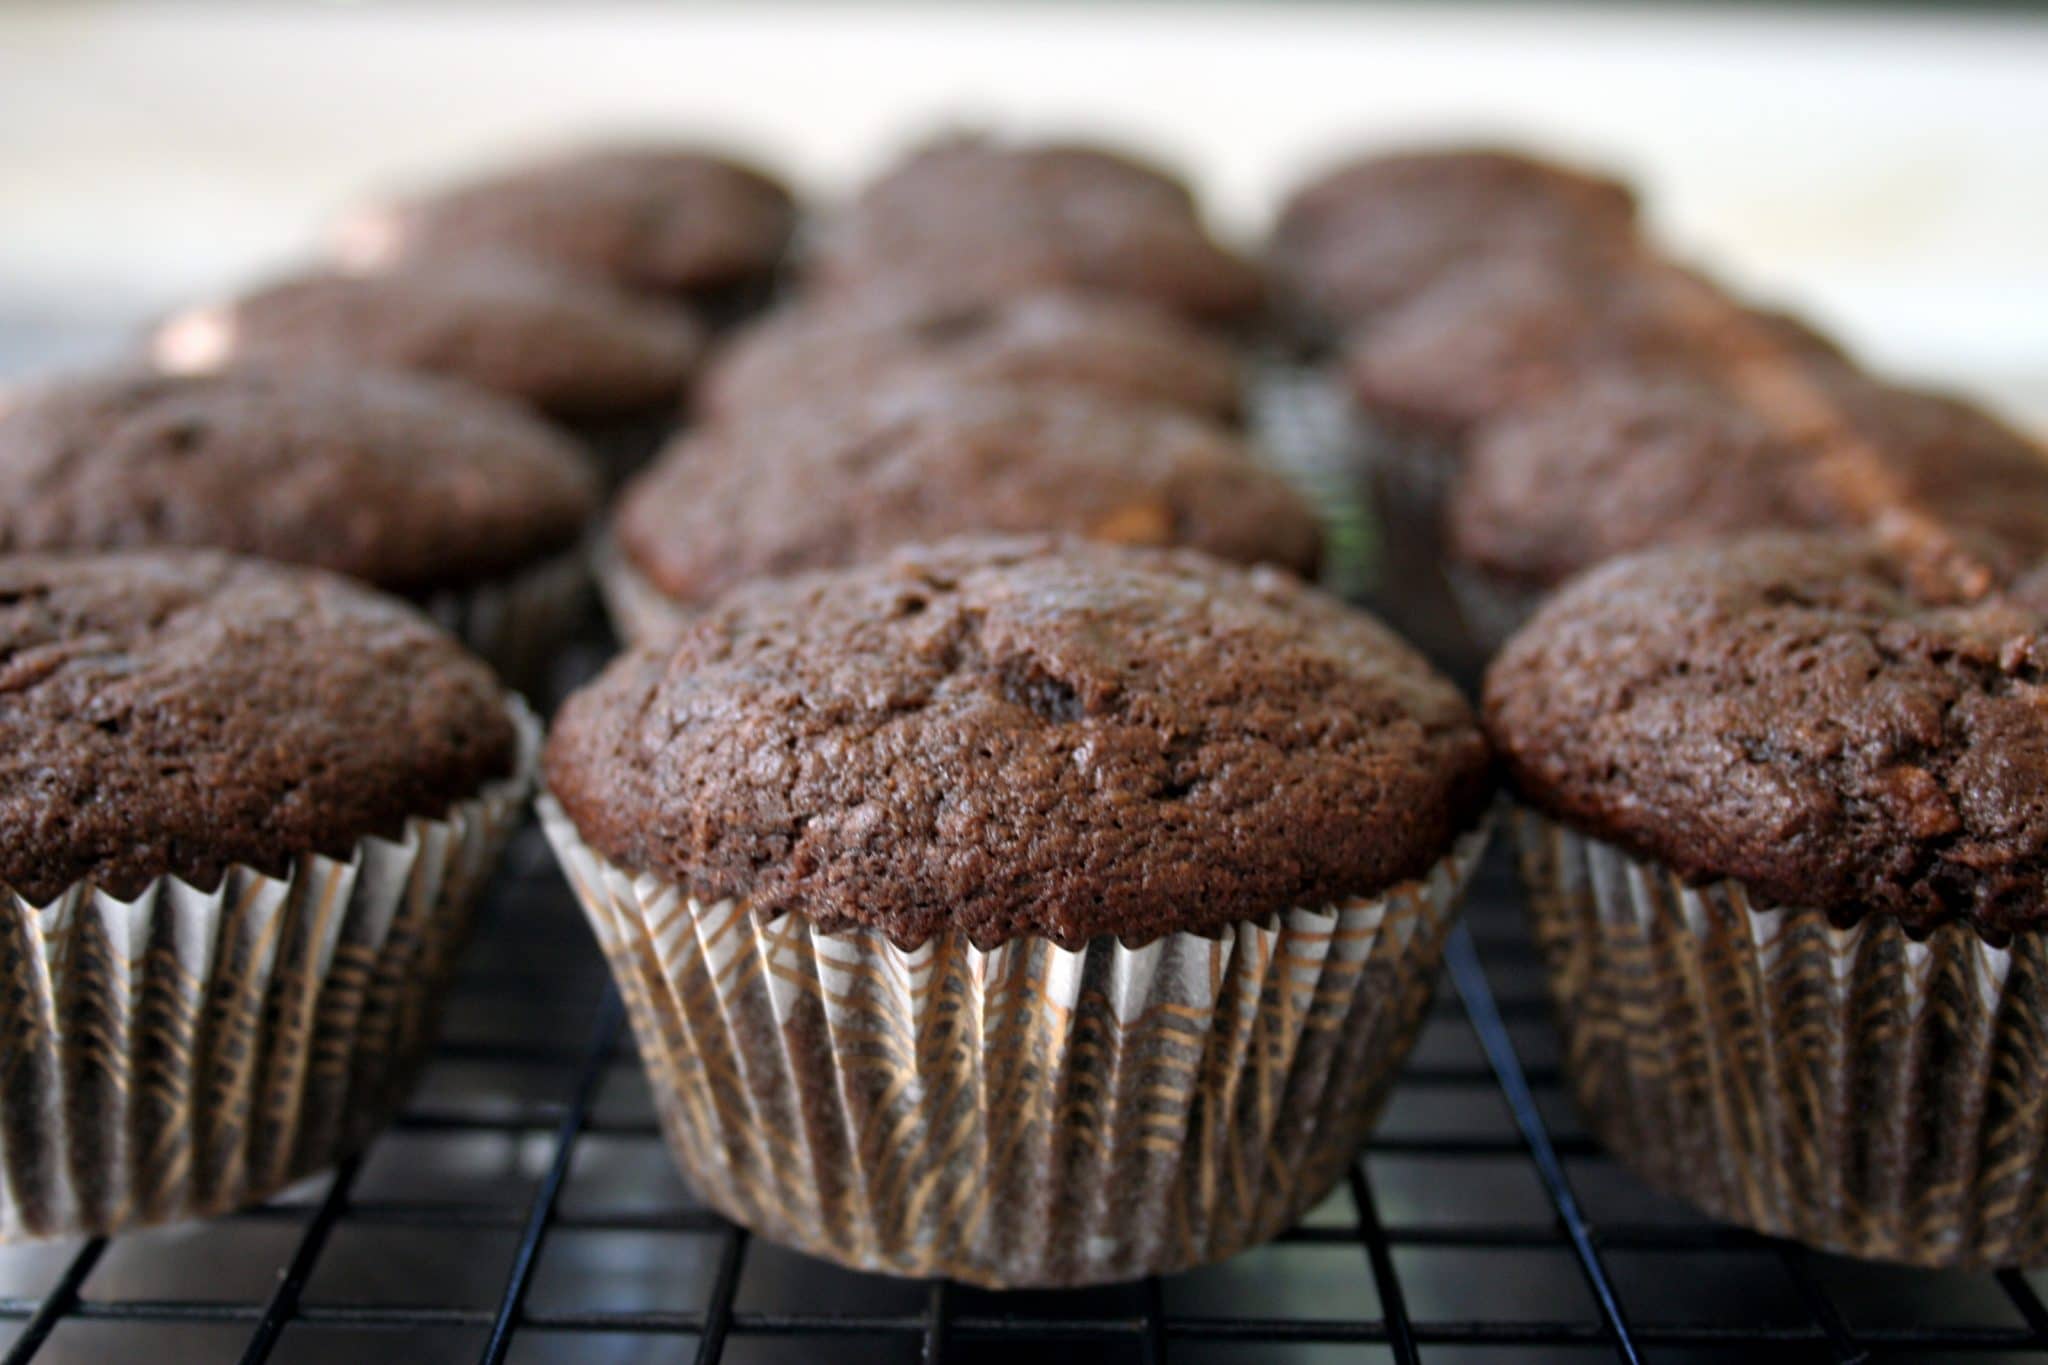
1887 170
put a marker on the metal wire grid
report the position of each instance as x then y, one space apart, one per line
523 1210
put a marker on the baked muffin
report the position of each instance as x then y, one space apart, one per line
1786 835
1118 347
610 369
244 811
973 219
1180 839
1364 237
847 478
675 222
1628 462
437 493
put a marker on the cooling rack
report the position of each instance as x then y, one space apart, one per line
524 1210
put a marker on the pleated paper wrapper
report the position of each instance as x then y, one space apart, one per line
639 611
192 1051
519 623
1852 1088
1025 1115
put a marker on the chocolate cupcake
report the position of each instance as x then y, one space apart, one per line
1627 462
1021 912
609 369
849 477
972 220
1363 238
1786 839
673 222
436 493
1121 348
244 814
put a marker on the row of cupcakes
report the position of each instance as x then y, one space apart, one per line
1780 793
1028 911
1556 390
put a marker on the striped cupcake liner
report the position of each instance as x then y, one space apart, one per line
519 623
192 1051
639 611
1854 1088
1023 1115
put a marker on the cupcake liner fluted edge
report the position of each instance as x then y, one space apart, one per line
519 623
1022 1115
191 1051
1854 1088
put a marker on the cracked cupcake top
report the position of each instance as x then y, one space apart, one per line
1024 737
648 218
1056 339
177 712
394 479
849 476
1803 714
566 347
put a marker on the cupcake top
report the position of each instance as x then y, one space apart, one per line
567 347
1024 737
1624 463
651 219
178 712
972 220
1372 233
1515 330
851 476
1119 347
1802 714
397 480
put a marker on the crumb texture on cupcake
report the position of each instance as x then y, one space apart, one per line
1116 346
850 476
567 347
178 712
645 217
1807 715
1007 737
403 482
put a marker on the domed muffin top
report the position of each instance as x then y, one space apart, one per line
1024 737
394 479
1629 462
1807 714
973 219
567 347
1367 235
1118 347
852 475
177 712
648 218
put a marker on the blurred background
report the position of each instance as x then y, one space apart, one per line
1887 170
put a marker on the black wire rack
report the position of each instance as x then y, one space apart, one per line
523 1209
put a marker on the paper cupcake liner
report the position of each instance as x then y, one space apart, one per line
638 610
192 1051
1492 608
519 623
1856 1089
1024 1115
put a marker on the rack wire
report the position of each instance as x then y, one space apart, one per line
523 1210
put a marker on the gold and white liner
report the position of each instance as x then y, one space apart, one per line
1022 1115
190 1051
1854 1088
